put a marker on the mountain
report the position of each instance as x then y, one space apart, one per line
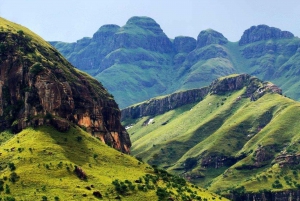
238 135
38 86
54 120
146 63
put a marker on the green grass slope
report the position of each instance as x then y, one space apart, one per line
225 142
38 164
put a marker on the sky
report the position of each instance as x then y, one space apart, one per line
71 20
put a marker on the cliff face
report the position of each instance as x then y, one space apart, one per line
288 195
38 86
263 32
159 106
254 90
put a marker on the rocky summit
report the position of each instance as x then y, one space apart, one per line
141 58
38 86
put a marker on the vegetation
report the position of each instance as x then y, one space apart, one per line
146 72
225 142
54 161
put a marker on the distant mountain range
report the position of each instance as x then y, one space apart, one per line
138 61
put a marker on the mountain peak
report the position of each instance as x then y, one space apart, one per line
263 32
210 36
145 23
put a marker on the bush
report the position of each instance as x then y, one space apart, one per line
277 184
11 166
162 193
13 177
36 68
79 138
190 163
7 190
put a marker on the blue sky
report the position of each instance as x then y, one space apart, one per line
70 20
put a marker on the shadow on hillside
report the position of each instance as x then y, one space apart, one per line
74 145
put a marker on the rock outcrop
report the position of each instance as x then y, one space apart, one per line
161 105
210 36
263 32
255 89
184 44
38 86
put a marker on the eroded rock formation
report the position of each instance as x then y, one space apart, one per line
38 86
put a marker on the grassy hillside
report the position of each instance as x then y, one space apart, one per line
225 142
39 164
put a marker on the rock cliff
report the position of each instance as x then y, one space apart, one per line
210 36
255 88
263 32
161 105
38 86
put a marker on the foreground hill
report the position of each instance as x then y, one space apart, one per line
41 164
54 120
241 136
142 62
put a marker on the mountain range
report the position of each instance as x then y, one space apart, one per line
138 61
61 137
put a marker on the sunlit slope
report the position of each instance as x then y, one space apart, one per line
224 140
45 161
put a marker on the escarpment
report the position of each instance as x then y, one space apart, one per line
255 88
38 86
161 105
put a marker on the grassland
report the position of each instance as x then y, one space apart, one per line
234 141
45 159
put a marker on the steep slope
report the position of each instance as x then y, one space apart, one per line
54 109
272 54
38 86
167 66
242 135
136 52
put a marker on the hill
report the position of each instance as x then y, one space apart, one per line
41 164
241 136
39 86
146 63
59 127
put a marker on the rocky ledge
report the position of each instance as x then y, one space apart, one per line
255 89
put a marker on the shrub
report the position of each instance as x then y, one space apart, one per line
162 193
277 184
13 177
11 166
79 138
36 68
190 163
7 189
